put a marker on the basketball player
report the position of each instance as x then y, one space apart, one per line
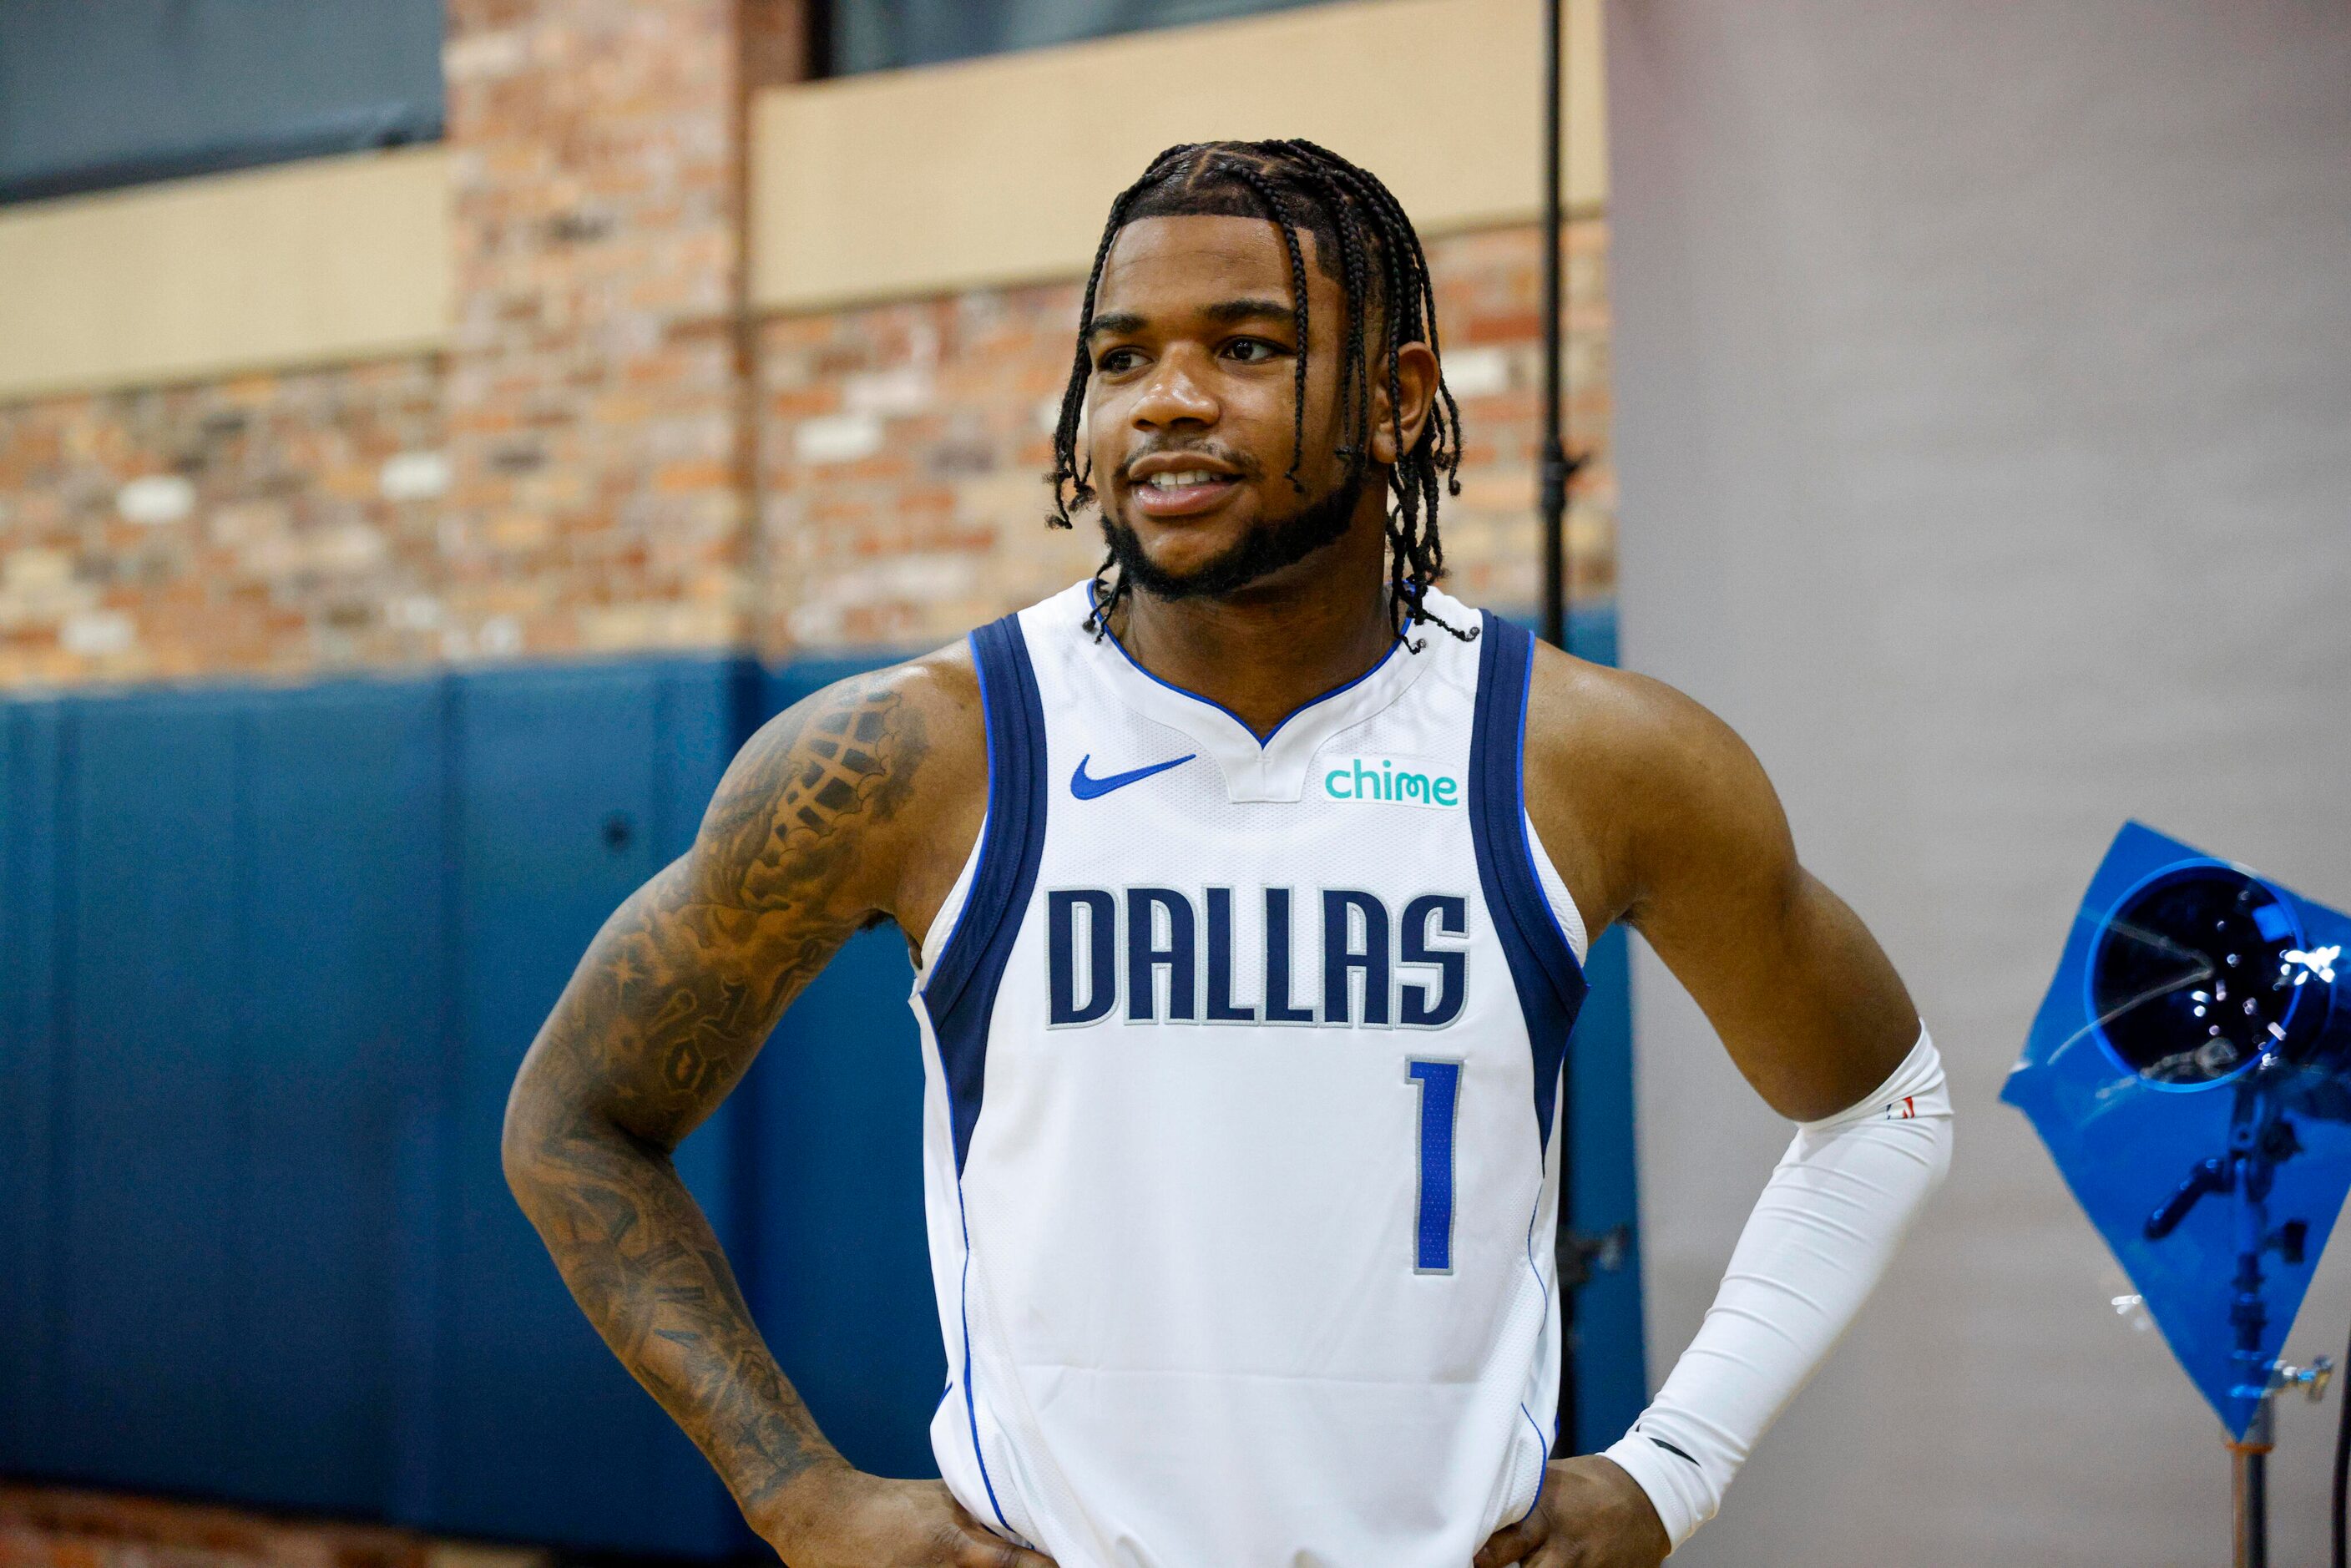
1248 886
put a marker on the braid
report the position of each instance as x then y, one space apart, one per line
1416 559
1281 211
1402 523
1361 227
1354 372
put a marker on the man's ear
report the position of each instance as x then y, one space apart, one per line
1415 380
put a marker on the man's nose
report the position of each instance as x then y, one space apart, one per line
1175 394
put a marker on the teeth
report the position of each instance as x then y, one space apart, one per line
1188 476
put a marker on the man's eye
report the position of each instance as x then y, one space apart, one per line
1116 361
1251 351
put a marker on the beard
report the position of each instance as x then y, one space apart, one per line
1266 548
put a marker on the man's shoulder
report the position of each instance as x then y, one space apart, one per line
938 692
943 684
916 724
1587 717
883 731
863 773
1625 772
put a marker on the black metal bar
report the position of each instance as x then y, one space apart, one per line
2251 1500
816 17
1566 1251
1555 470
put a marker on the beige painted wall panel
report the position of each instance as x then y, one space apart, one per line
1000 170
329 259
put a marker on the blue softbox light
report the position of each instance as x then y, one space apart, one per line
2190 1073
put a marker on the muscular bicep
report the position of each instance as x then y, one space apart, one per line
1804 999
671 1003
801 847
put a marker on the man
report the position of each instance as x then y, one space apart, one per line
1248 886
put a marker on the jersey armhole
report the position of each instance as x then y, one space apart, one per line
1565 913
949 918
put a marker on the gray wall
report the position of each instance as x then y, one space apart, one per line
1984 424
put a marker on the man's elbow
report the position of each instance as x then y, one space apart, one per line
554 1133
524 1139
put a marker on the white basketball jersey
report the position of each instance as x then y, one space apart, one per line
1241 1059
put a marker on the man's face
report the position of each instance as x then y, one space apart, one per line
1191 409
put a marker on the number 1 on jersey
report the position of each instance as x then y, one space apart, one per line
1439 1085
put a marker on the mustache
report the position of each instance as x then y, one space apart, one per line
1242 464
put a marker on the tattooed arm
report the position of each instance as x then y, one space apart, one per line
856 806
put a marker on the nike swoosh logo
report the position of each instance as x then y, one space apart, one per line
1086 788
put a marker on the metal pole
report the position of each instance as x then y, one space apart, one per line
2252 1491
2250 1175
1567 1252
1555 452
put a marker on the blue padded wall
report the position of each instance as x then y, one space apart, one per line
571 787
1612 1382
157 1137
343 939
223 957
268 963
268 960
32 752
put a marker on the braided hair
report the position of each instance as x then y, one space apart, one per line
1365 244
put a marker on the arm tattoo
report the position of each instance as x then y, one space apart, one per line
662 1017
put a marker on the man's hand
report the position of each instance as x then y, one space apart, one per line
835 1517
1591 1515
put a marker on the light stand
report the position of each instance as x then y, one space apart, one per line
1575 1255
2199 983
2187 978
2261 1138
1573 1262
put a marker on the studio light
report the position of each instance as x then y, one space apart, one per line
2190 1071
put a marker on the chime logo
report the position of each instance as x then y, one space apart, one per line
1405 781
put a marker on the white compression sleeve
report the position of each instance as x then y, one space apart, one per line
1818 1240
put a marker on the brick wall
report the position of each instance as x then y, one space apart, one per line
593 394
611 454
904 446
271 524
44 1527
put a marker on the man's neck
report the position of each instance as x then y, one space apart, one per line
1269 650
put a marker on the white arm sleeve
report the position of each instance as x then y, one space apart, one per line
1820 1238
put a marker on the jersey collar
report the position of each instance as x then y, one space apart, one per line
1275 770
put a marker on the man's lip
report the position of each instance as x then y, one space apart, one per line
1177 463
1181 501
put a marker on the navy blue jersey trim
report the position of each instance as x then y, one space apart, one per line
1543 967
961 992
